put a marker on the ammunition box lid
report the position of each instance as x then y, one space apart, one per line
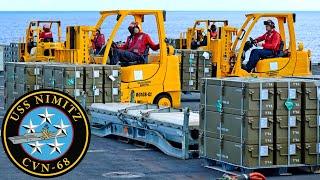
241 82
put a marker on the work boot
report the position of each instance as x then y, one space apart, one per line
244 67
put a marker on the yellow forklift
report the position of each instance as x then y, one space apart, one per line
229 51
157 82
199 31
35 48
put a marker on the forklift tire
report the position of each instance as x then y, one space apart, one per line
163 100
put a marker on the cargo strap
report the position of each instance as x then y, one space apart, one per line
205 119
260 117
318 124
241 128
94 85
191 59
220 123
290 105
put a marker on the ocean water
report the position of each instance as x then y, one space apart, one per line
13 25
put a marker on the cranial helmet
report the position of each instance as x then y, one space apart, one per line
269 23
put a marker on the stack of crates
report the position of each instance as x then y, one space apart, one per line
188 70
194 66
86 83
102 83
257 123
236 120
21 78
311 119
7 55
288 121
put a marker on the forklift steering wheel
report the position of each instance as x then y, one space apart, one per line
253 42
114 44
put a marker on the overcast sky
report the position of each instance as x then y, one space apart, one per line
174 5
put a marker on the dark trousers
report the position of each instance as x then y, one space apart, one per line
255 56
124 56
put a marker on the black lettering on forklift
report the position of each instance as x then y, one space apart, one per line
143 94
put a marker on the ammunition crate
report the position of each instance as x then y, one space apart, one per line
77 94
311 128
236 128
94 96
9 69
288 90
48 76
112 76
236 153
312 153
28 73
111 95
238 95
294 152
69 76
282 129
94 75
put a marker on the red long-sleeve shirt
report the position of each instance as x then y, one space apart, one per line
98 41
45 35
271 40
138 43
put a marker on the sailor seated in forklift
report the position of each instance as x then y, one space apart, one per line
136 48
46 35
213 32
203 37
98 42
271 46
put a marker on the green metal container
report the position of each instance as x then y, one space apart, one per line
48 76
94 75
310 128
69 76
112 95
9 69
236 128
288 93
238 95
28 73
311 154
237 154
112 76
283 152
282 129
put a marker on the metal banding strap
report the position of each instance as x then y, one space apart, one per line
94 85
241 130
289 129
112 98
318 119
260 116
205 118
220 123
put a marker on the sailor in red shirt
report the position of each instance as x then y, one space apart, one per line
213 32
271 45
135 48
98 42
46 35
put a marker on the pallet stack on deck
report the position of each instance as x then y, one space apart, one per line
229 121
258 123
86 83
194 66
